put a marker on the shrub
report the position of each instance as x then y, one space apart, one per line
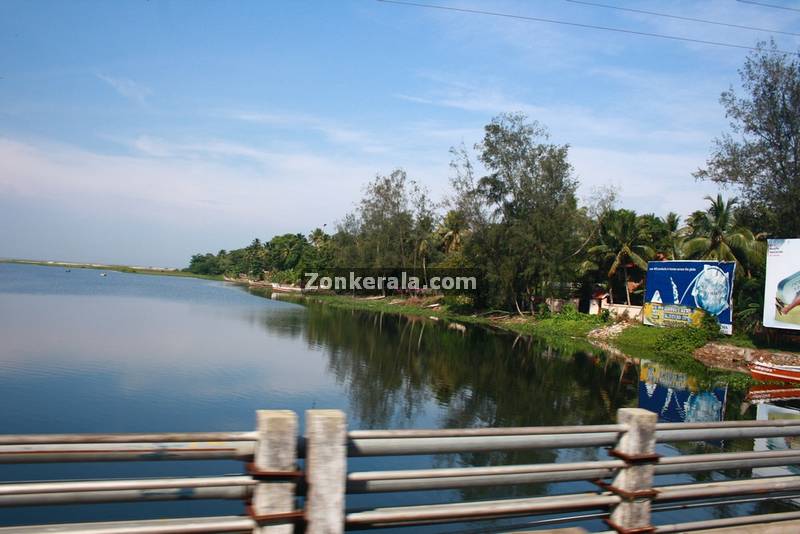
681 340
570 313
710 325
543 310
460 304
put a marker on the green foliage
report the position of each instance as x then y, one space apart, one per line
759 156
624 240
710 325
543 310
524 245
674 347
715 235
392 227
678 341
459 303
283 259
569 323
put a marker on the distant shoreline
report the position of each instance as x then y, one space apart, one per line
162 271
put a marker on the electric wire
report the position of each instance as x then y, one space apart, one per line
773 6
574 24
680 17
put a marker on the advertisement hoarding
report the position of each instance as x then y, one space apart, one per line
782 290
679 292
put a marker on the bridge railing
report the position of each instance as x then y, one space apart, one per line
270 482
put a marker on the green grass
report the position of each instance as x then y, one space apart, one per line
674 347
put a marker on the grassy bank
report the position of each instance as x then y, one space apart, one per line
674 347
118 268
570 325
568 329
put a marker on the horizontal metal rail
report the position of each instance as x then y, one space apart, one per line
408 446
399 480
422 484
233 492
479 471
188 525
483 431
414 515
166 437
242 446
717 433
728 424
409 515
122 452
432 479
76 486
728 522
538 430
730 487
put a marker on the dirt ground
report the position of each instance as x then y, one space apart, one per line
715 355
722 356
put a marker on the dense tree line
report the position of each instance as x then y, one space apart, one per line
513 214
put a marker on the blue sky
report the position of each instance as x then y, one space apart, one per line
141 132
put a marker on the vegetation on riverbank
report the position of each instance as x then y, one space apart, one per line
513 215
118 268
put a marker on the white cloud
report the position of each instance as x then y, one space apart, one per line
648 182
332 130
163 185
128 88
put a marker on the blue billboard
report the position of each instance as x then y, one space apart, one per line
679 293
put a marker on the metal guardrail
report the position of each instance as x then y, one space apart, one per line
625 498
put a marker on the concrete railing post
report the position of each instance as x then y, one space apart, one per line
634 482
276 461
326 470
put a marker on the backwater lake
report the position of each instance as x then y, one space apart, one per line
80 352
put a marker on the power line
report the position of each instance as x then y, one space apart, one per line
773 6
575 24
679 17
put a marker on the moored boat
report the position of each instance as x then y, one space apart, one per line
772 393
278 288
772 372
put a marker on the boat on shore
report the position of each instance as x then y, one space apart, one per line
758 394
765 371
278 288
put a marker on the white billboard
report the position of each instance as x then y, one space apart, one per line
782 291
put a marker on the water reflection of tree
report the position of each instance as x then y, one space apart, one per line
396 368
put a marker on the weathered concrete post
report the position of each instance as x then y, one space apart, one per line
634 483
276 452
326 470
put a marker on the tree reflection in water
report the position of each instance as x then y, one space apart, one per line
403 372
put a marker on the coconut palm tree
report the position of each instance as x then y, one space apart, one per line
675 235
623 240
716 236
452 231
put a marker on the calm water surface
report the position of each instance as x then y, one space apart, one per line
129 353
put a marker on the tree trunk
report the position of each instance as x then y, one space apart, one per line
627 291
